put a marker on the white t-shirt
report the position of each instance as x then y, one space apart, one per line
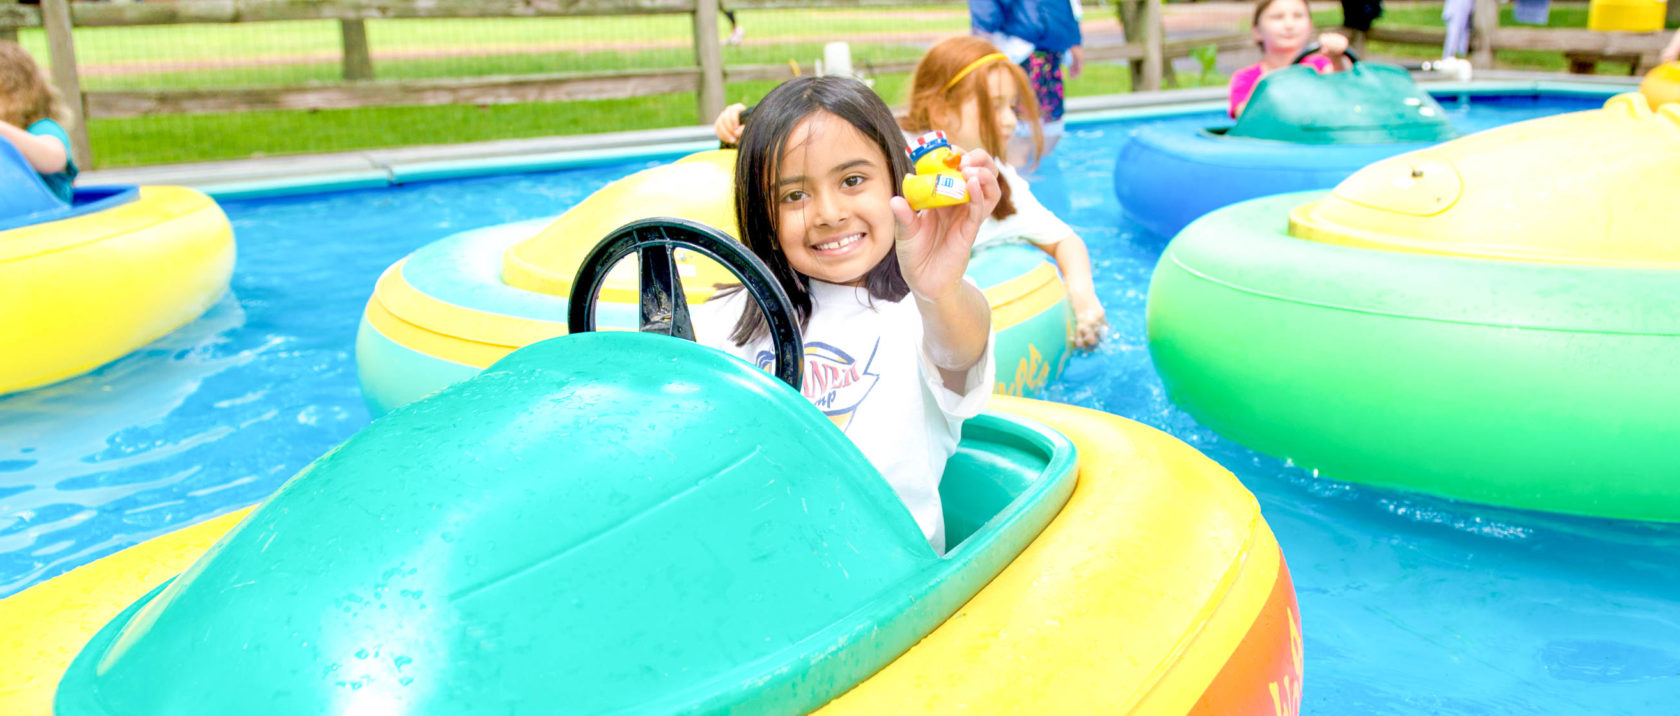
866 370
1031 221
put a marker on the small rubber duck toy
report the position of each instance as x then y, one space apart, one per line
938 180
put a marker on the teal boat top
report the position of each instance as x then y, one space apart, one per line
1367 104
600 522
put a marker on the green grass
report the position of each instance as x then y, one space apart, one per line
329 72
209 43
294 53
307 53
139 141
206 137
552 45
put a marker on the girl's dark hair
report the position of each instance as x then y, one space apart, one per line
759 165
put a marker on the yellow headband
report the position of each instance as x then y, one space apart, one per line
972 66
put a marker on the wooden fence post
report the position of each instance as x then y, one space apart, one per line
1131 24
358 64
1153 46
1484 19
55 19
709 55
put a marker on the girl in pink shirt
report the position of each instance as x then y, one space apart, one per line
1283 28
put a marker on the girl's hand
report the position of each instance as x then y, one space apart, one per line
1672 52
933 244
1333 45
1089 319
728 126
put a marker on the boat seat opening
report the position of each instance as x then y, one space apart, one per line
994 464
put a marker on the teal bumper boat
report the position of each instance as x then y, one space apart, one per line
617 522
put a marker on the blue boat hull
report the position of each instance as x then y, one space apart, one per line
1167 177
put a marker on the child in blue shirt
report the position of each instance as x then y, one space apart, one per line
1038 35
30 114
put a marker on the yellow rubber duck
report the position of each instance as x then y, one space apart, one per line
938 180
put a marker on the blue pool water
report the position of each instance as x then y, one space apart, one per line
1409 605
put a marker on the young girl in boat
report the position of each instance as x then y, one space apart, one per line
969 90
898 344
31 117
1283 28
964 87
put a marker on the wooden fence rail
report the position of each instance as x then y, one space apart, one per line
1145 48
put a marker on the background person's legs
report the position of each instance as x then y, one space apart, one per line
735 29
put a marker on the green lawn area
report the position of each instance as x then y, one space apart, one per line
329 71
173 138
233 43
306 53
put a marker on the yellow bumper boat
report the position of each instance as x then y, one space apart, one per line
1157 589
84 284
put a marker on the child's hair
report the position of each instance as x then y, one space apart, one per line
1260 9
971 62
759 165
26 95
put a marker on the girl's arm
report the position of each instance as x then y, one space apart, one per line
1334 46
1088 314
1242 85
933 247
954 332
1672 52
45 154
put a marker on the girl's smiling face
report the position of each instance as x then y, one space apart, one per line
963 128
1284 26
833 194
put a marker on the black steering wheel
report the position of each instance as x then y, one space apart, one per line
664 308
1353 57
